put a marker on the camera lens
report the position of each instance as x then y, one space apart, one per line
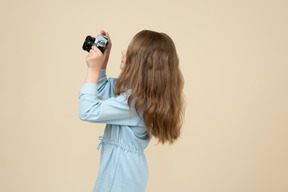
88 43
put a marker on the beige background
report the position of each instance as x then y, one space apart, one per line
234 59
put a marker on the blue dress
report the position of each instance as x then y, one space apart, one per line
123 166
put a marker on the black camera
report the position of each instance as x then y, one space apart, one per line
101 41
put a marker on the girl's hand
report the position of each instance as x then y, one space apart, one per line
95 58
107 50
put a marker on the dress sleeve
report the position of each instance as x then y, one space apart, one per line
114 110
105 86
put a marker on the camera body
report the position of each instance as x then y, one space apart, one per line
101 42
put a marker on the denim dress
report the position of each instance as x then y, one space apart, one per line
123 166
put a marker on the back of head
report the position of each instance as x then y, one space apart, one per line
152 72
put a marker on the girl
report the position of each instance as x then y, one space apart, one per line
145 101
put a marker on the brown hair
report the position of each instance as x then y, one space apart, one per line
156 82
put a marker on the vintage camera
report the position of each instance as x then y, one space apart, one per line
101 41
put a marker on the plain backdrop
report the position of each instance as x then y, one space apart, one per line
234 58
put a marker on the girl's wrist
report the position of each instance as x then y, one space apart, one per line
103 66
92 75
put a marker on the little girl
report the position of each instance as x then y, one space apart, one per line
145 101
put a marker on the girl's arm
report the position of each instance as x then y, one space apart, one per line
94 60
114 110
105 86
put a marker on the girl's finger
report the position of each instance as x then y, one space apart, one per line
92 51
95 49
103 32
109 39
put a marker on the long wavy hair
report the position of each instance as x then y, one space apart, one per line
152 73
